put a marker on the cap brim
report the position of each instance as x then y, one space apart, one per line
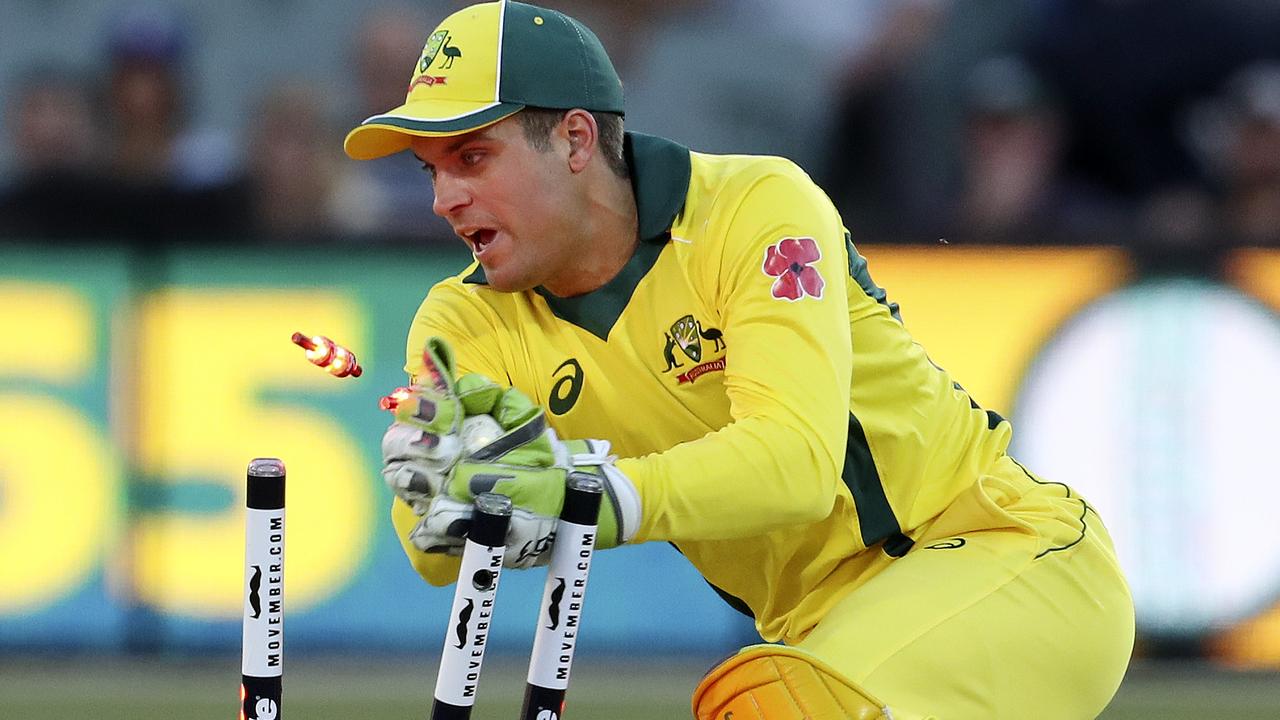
392 132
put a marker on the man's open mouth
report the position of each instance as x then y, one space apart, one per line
479 238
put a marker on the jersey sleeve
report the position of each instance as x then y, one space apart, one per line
451 311
778 283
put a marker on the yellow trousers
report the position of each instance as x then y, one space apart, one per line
1010 605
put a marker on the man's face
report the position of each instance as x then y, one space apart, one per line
512 204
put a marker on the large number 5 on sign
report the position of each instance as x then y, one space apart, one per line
211 361
59 481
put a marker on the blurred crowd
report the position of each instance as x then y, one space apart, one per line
1146 123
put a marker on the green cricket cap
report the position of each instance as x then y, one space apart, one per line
486 62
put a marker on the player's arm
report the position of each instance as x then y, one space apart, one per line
788 367
448 313
519 456
451 313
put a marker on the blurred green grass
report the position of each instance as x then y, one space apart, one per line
108 688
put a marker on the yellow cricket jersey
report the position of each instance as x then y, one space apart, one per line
774 414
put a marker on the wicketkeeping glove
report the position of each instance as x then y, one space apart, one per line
529 464
444 526
424 443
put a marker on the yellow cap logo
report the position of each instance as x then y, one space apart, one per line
460 58
439 41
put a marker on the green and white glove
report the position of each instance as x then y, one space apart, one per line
421 447
444 526
529 464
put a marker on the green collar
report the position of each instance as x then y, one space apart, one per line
660 171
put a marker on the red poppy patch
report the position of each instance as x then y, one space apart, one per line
791 262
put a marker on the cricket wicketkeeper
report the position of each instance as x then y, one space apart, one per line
700 332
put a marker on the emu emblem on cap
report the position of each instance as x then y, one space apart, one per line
452 52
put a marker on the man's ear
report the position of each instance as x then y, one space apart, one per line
583 135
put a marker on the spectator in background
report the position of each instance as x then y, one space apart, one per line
719 77
388 199
866 178
626 28
1129 70
168 181
53 124
55 144
1131 73
899 111
1252 181
1236 136
150 140
291 168
1013 189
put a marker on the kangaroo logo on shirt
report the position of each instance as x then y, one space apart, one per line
687 334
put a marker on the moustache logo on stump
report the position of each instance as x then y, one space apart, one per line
255 584
464 616
553 609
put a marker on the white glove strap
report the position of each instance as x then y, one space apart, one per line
622 492
597 452
625 498
563 459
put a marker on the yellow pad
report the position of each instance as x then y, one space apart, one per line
773 682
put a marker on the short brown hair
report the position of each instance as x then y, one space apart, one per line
539 122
